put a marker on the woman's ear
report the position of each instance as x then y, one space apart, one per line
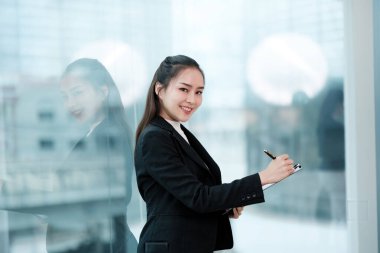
157 88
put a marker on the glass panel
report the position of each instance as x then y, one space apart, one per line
67 177
274 80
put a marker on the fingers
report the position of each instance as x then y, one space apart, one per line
239 209
278 169
237 212
285 160
283 157
286 163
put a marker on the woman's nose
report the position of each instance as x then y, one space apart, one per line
190 98
70 102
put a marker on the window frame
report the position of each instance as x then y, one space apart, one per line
360 127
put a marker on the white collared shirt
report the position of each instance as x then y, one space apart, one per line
177 127
93 126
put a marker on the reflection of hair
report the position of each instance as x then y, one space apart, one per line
92 71
168 69
330 131
333 100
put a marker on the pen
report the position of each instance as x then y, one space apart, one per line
269 154
296 166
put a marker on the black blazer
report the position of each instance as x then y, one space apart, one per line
109 144
185 198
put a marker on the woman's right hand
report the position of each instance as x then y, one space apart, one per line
278 169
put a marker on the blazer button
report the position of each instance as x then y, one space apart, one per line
243 198
254 195
248 197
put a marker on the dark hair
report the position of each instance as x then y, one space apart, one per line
94 72
330 131
168 69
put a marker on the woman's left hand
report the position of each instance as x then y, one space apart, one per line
236 212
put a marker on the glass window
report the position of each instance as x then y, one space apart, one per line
274 80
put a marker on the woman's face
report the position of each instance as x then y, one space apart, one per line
82 99
183 95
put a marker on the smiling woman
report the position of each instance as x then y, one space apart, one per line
177 178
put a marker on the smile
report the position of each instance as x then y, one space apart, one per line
76 113
187 109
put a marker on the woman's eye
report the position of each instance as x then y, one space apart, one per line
184 90
199 92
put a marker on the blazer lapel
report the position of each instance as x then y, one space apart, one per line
203 155
191 151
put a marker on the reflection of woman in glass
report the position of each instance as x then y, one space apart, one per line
330 133
187 203
104 159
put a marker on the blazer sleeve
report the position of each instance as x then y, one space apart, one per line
163 162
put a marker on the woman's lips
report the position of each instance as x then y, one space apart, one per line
187 109
76 113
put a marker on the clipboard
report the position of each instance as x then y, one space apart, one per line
297 168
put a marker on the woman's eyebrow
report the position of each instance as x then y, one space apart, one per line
189 85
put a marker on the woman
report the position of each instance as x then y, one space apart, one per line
181 184
103 156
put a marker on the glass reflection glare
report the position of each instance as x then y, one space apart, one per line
284 64
125 64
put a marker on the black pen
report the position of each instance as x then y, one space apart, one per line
269 154
296 166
